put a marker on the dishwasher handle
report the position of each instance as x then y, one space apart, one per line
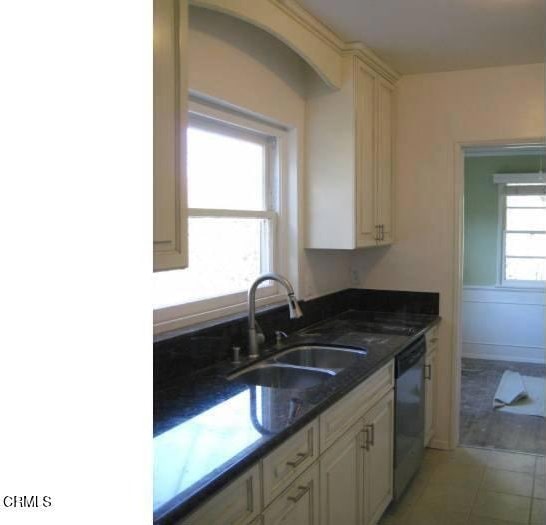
410 357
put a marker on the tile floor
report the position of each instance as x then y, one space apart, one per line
473 486
481 425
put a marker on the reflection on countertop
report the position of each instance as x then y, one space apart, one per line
210 429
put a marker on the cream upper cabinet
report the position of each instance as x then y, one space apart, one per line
349 159
170 119
385 153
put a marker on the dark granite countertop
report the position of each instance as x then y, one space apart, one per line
209 430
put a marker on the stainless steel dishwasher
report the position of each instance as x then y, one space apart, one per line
409 415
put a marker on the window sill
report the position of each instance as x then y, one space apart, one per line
166 328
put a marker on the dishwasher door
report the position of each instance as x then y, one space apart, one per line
410 415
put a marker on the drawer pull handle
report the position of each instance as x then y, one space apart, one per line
434 340
428 372
302 491
365 439
372 435
301 457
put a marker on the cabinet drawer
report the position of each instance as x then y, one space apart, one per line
340 417
299 503
289 460
238 504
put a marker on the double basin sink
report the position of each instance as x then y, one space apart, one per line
300 367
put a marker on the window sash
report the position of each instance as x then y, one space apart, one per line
521 190
274 139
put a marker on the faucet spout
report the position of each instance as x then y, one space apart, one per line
293 306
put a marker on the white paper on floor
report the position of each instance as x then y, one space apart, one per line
519 394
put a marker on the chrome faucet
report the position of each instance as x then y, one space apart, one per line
255 338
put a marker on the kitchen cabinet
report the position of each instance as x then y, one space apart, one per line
238 504
431 338
342 479
350 148
378 458
298 504
170 121
356 472
289 460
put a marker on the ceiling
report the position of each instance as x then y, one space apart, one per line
424 36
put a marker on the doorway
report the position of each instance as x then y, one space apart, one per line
502 302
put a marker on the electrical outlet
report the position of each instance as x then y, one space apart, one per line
355 277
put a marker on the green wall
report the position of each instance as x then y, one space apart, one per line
481 213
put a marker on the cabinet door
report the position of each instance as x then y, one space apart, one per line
430 391
341 479
378 459
170 115
298 504
365 94
238 504
384 153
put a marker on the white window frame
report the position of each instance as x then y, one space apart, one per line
276 140
502 281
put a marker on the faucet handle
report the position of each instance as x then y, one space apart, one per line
279 336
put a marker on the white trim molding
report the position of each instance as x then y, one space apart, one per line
505 324
316 43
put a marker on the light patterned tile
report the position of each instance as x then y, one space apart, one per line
448 498
512 461
424 515
538 513
455 475
480 520
502 506
388 519
470 456
540 466
508 482
540 488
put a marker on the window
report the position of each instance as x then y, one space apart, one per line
523 211
234 180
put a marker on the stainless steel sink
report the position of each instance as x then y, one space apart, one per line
279 376
323 357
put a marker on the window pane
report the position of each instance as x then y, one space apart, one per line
525 269
524 201
225 256
224 172
526 220
526 244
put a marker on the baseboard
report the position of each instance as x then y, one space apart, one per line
521 354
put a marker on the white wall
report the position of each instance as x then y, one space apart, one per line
242 65
504 324
434 112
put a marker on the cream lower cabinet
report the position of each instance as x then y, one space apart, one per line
342 479
356 471
298 504
378 459
431 376
238 504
